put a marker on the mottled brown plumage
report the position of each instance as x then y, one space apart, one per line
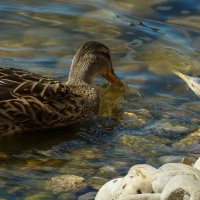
30 101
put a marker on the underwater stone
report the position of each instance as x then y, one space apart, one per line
38 196
171 159
87 196
67 196
66 183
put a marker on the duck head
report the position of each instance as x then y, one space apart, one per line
92 60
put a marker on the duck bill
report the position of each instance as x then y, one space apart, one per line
112 78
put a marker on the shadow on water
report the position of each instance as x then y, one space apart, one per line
40 139
87 132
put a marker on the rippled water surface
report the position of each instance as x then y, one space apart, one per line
155 120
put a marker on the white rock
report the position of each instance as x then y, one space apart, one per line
167 171
136 182
161 179
182 187
146 196
181 168
197 164
172 181
108 190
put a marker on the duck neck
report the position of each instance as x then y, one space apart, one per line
81 72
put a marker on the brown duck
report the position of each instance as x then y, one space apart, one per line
29 101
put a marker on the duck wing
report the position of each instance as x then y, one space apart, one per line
16 82
31 101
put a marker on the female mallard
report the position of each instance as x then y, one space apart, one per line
29 101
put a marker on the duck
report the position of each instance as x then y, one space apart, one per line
30 101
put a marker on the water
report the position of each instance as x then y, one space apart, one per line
149 122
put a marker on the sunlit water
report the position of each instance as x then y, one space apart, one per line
148 122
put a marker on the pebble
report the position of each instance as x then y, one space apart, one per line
188 140
144 182
96 182
38 196
87 196
188 161
170 159
168 128
108 169
67 196
66 183
132 120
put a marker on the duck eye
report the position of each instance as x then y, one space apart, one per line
106 55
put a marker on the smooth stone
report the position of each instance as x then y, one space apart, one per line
96 182
108 169
182 187
182 168
188 161
132 120
188 141
66 183
172 181
67 196
167 128
107 191
38 196
167 171
15 189
88 196
137 181
136 143
194 150
197 164
170 159
147 196
161 179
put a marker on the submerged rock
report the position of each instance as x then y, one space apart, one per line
169 128
145 145
66 183
38 196
188 140
172 181
135 120
67 196
87 196
170 159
